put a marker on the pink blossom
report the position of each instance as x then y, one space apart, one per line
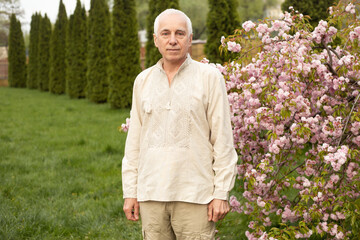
234 202
350 8
340 215
251 224
233 46
334 178
340 235
222 41
333 230
306 183
248 25
262 28
346 60
264 236
125 126
353 36
357 30
205 60
260 203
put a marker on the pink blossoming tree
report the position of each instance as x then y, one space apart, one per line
296 121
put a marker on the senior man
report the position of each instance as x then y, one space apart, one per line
179 163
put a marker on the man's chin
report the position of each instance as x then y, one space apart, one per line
175 60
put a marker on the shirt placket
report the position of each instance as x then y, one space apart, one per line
168 109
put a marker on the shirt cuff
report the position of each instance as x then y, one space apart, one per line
129 196
222 195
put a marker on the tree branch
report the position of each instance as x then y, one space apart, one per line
329 65
348 119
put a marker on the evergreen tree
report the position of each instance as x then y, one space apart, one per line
17 57
316 9
32 78
76 53
70 52
155 8
98 51
44 54
222 20
57 53
125 57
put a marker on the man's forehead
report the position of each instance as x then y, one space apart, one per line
165 28
171 21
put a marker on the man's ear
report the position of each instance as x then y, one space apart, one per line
191 38
155 40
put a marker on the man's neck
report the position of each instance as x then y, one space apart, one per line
171 69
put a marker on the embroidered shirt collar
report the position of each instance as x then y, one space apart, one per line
187 61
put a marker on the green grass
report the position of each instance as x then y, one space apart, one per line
60 170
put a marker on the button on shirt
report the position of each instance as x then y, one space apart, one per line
179 145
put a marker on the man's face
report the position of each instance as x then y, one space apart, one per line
173 39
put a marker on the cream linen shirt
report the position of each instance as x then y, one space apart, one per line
179 145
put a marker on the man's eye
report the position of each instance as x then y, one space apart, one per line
165 34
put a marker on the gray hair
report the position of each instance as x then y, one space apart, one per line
172 11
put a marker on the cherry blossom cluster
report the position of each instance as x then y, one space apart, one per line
125 126
295 112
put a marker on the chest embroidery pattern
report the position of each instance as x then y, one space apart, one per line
169 119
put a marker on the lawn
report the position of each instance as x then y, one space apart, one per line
60 170
60 165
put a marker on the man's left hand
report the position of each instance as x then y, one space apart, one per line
217 210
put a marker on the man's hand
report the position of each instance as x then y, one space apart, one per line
217 210
131 209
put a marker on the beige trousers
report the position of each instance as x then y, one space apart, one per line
175 220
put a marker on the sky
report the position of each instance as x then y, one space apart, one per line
50 7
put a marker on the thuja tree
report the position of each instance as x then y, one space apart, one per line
296 122
316 9
76 65
222 19
58 52
98 51
17 58
44 54
32 76
155 8
125 57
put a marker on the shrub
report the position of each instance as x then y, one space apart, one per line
296 123
125 57
17 58
58 53
98 52
32 76
76 52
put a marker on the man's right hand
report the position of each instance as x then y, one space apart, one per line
131 209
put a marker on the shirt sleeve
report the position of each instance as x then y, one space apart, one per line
221 137
132 149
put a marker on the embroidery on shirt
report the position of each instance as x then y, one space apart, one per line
169 118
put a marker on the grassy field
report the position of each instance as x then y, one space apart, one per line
60 170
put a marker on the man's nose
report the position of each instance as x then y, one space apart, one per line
173 39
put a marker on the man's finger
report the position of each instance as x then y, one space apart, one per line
128 214
224 211
136 212
131 209
216 215
210 212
